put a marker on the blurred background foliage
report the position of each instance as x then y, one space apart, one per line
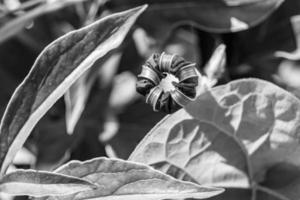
102 115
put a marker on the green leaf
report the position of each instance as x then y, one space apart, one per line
54 71
119 179
39 184
15 25
232 136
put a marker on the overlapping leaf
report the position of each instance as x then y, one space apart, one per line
78 94
54 71
118 179
232 136
212 16
37 184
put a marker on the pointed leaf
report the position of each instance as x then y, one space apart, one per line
77 95
76 98
54 71
38 184
119 179
232 136
215 68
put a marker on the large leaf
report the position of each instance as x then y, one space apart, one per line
241 135
54 71
15 25
118 179
38 184
212 16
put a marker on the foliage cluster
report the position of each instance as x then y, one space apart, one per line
240 134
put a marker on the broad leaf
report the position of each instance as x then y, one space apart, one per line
118 179
54 71
232 136
15 25
38 184
212 16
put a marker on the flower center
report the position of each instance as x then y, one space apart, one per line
166 83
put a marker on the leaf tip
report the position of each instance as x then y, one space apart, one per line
221 48
141 9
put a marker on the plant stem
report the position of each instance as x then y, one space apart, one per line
254 192
271 192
